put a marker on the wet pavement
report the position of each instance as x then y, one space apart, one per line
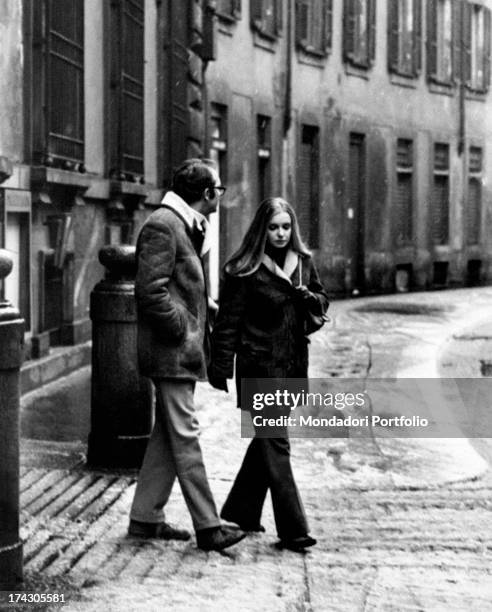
402 524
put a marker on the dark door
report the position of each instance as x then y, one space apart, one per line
355 213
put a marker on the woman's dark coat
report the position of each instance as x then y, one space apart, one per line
261 319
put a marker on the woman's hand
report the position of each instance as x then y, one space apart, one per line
303 293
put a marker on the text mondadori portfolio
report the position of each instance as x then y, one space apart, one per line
334 421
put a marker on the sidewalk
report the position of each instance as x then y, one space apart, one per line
401 524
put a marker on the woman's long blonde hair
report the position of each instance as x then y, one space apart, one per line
247 258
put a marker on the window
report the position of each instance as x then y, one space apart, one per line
266 17
404 191
440 196
229 9
126 95
308 185
218 136
476 44
404 37
58 83
359 32
264 151
474 200
443 37
314 25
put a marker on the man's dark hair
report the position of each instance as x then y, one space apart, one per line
192 177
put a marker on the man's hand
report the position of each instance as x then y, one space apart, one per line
218 382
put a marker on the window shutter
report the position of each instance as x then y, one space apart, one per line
432 39
371 31
393 34
302 22
256 13
328 23
459 12
486 50
279 16
417 37
466 37
236 8
349 16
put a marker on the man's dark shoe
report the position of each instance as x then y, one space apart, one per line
218 538
297 544
160 531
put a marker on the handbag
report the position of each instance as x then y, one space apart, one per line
313 321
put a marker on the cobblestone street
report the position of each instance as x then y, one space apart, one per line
402 524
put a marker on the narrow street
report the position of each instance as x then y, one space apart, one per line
402 524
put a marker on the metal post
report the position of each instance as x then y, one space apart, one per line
11 355
121 401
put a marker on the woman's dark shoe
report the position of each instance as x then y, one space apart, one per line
244 525
160 531
218 538
297 544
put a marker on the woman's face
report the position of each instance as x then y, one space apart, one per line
279 230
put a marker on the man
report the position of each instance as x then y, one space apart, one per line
172 308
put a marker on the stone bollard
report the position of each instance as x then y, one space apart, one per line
121 399
11 355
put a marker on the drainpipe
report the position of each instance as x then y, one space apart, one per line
288 68
462 88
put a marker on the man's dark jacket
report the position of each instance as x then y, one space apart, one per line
171 298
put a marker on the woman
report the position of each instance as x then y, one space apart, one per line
270 287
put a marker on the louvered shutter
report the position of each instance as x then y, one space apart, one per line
459 13
328 24
417 37
302 22
256 13
393 36
372 31
473 211
236 8
440 210
465 60
279 16
486 50
432 39
349 16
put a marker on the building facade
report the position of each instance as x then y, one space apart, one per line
373 118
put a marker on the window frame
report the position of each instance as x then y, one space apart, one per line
117 152
259 22
468 48
434 50
234 14
445 172
305 17
351 33
474 175
310 135
44 54
396 64
406 169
